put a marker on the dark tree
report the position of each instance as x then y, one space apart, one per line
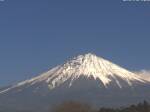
73 107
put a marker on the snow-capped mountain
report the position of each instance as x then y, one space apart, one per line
85 78
88 65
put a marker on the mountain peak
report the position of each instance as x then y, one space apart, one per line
84 59
90 65
87 65
89 55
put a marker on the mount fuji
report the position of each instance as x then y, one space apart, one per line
86 78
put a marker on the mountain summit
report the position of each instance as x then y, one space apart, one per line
87 78
89 66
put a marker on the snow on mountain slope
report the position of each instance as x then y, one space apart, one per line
88 65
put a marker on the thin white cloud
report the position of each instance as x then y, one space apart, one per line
145 74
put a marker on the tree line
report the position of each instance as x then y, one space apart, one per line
82 107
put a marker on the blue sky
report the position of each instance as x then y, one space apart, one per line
36 35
